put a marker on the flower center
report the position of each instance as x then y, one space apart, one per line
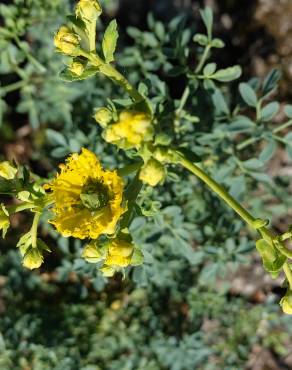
94 196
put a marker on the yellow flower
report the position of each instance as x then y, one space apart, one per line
120 253
152 173
286 303
33 259
7 170
88 200
131 130
4 220
66 41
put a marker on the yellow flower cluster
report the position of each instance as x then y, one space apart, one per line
88 201
130 131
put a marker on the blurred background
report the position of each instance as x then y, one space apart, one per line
213 309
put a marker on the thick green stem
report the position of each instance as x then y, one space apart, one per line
112 73
219 190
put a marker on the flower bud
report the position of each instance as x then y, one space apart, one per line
119 253
93 254
152 173
33 259
7 170
88 10
286 303
66 41
4 220
131 130
103 116
76 67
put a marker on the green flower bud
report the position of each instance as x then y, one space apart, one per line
93 254
103 116
286 303
67 42
7 170
76 67
88 10
4 220
33 259
152 173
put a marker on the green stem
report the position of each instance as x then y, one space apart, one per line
288 273
12 87
282 127
246 143
219 190
112 73
34 229
203 58
183 100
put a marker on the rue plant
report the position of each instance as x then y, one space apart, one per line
88 202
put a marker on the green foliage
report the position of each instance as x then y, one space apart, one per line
71 317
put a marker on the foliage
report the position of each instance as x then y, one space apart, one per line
156 317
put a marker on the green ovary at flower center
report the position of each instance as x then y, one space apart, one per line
94 196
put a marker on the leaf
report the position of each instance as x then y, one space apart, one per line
67 76
209 69
56 138
241 124
268 151
253 164
201 39
288 110
270 82
228 74
109 42
220 105
269 111
248 94
207 16
217 43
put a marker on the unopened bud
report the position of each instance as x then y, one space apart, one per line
286 303
4 220
88 10
33 259
7 170
76 67
152 173
93 254
103 116
67 42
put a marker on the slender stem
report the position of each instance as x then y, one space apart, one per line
12 87
282 127
183 100
34 229
288 273
246 143
219 190
203 58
